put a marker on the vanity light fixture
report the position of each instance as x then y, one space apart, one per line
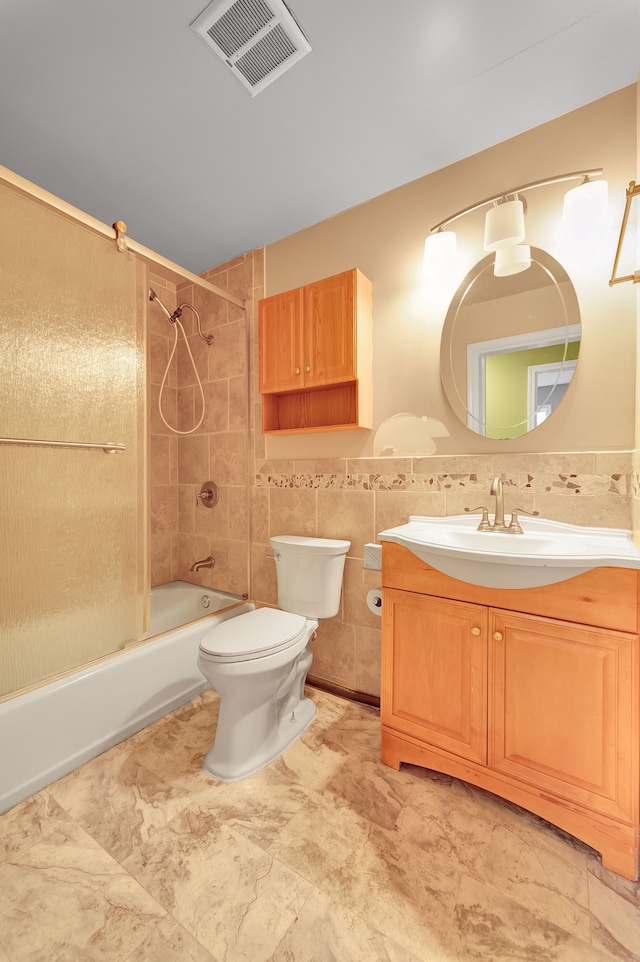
440 255
633 190
504 222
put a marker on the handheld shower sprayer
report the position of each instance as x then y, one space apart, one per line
175 320
178 314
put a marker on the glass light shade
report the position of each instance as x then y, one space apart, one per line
586 216
504 225
512 260
440 256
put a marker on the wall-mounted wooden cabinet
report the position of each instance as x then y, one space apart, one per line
315 356
531 694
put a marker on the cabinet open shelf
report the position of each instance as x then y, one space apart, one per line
311 411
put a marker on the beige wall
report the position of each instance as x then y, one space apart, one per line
576 467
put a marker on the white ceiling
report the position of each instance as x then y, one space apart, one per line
118 108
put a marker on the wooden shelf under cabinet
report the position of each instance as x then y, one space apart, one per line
315 357
532 694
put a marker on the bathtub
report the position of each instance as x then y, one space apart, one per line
51 730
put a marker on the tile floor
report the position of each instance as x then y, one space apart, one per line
324 855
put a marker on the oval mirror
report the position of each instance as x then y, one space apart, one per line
510 346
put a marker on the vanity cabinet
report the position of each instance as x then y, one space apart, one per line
314 346
532 694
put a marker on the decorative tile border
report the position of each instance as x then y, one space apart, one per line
621 485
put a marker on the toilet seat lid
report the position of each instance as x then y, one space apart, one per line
258 632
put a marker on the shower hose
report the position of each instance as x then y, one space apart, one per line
177 325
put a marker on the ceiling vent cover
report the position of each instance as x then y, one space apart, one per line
257 39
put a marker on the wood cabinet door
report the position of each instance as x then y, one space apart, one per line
280 343
563 710
434 671
330 330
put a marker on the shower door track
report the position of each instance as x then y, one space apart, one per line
108 448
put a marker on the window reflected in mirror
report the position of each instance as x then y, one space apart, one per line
510 346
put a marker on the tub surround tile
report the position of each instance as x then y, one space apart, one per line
227 357
238 403
228 460
216 400
237 499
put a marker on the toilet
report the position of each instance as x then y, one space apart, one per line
258 661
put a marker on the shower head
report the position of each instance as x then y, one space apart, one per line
154 297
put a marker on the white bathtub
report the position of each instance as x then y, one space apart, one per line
51 730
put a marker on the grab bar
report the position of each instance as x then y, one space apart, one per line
108 448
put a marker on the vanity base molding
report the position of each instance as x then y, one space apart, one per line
532 694
619 845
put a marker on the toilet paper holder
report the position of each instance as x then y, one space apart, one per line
374 600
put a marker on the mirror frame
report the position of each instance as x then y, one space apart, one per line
569 300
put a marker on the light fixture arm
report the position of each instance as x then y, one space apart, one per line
633 190
575 175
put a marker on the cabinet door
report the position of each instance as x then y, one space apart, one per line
330 330
280 343
563 707
434 671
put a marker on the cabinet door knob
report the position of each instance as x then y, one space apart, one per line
297 370
307 368
498 636
475 631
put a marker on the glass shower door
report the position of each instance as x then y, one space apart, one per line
72 539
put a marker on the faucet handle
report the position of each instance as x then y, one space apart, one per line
514 525
485 524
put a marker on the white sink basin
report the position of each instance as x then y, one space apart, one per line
547 551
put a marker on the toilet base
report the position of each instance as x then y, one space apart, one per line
287 730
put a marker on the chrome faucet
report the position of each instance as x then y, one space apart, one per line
205 563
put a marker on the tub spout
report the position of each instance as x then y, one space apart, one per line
205 563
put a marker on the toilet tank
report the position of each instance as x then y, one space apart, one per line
309 573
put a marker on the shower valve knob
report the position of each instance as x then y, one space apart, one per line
208 494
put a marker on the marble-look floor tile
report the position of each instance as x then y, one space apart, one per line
67 899
324 854
615 919
237 900
119 802
370 871
29 822
170 942
327 932
488 925
543 874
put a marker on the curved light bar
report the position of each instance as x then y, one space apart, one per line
560 178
